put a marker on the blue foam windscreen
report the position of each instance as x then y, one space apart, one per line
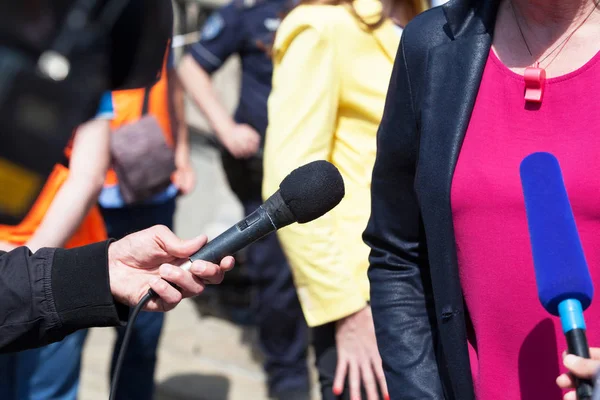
561 270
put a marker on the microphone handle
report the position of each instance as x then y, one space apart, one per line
255 226
577 344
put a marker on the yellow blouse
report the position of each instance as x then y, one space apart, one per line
329 85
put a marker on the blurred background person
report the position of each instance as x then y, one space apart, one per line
64 215
450 247
247 29
333 61
163 102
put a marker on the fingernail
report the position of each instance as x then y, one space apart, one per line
569 360
337 391
199 267
387 397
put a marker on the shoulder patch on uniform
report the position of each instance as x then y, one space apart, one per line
272 24
212 27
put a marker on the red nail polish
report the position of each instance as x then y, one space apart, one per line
337 391
387 397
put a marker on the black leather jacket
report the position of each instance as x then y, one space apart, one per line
416 295
47 295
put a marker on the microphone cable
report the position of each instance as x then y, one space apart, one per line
128 332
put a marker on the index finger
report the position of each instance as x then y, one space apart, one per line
581 367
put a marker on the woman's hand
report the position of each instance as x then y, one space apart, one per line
582 368
358 357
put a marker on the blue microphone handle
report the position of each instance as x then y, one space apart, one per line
573 324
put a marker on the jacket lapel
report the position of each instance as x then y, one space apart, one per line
453 74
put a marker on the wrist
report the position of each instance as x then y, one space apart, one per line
354 314
114 275
182 155
223 131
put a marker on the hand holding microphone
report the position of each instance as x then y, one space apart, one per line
152 256
563 280
582 368
305 194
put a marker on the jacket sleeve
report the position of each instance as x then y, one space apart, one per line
47 295
303 109
398 273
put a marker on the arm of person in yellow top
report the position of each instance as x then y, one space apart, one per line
88 164
185 176
303 109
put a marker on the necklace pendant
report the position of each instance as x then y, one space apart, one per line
535 80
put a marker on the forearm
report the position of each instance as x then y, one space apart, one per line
68 209
51 295
178 122
197 83
87 167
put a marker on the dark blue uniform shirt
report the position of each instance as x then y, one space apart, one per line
246 28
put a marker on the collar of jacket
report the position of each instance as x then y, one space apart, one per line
471 17
449 86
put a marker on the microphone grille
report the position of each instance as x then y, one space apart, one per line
561 269
312 190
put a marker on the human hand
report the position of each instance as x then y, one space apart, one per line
7 246
184 177
150 258
579 367
358 357
242 141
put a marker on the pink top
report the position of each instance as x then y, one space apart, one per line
516 347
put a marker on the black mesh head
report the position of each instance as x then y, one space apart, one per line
312 190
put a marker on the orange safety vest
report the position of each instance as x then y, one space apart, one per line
91 230
128 109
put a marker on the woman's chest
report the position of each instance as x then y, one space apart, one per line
504 129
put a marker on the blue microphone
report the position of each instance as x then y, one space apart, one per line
563 279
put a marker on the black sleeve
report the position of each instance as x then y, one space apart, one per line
398 273
221 37
47 295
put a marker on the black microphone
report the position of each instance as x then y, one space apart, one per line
304 195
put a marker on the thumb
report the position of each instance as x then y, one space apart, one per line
180 248
581 367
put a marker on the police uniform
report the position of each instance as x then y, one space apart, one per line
247 28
